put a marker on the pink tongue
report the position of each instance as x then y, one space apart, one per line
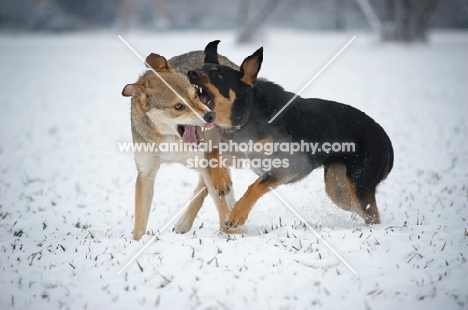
190 135
209 126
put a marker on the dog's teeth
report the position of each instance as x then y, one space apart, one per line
203 129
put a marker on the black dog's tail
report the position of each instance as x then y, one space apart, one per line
390 156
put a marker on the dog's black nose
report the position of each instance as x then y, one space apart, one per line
193 74
209 117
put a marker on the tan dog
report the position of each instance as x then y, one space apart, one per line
158 116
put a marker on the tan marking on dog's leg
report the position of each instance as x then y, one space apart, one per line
342 192
220 175
242 208
184 224
337 187
371 211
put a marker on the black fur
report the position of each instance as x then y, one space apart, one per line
311 120
211 54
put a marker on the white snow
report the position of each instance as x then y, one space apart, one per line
66 192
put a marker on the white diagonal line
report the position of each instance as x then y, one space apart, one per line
160 231
161 78
311 80
313 230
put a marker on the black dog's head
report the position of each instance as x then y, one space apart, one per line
226 91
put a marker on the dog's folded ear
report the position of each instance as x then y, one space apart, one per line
137 91
211 53
134 90
251 66
158 63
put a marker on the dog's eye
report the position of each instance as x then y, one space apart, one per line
179 106
217 75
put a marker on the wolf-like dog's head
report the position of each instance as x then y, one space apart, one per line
225 90
175 109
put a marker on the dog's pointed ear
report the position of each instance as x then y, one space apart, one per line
134 90
211 53
158 63
250 67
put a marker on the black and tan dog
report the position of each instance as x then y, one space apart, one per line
244 105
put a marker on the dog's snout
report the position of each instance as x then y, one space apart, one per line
209 117
194 74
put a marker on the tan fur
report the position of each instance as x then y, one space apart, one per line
220 175
185 222
371 211
154 119
158 63
341 191
223 105
194 60
242 208
250 68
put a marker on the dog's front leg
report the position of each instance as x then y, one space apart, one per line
223 204
242 208
220 176
144 189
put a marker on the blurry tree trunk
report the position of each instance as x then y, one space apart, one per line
250 24
402 20
406 20
420 22
410 18
370 15
243 15
338 10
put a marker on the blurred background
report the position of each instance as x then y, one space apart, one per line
391 20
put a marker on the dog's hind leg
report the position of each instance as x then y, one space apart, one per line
369 204
185 222
342 191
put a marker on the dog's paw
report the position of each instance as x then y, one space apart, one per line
241 230
221 180
183 225
137 235
236 218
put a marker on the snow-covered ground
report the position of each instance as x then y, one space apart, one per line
66 192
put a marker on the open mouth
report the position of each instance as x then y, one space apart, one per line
204 96
192 134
